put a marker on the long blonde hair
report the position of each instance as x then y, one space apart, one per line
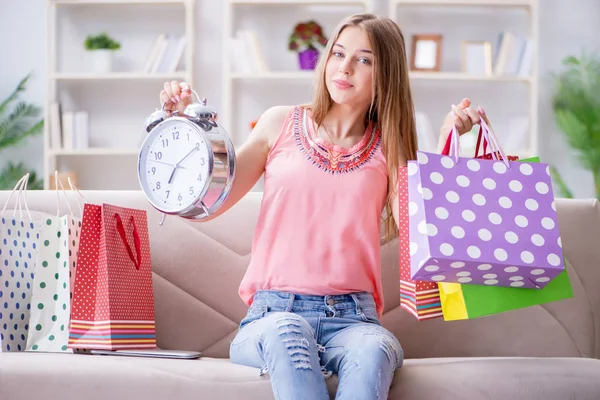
392 108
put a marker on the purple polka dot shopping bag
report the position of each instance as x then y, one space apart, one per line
18 252
487 222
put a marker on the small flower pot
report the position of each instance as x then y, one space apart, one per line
101 60
308 59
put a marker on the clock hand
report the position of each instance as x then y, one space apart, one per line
186 156
162 162
172 174
165 163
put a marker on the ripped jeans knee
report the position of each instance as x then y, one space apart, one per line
289 335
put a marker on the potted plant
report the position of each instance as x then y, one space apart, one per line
16 124
304 39
102 47
576 105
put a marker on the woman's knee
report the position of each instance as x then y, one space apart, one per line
290 334
376 345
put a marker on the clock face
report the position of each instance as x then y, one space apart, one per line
174 165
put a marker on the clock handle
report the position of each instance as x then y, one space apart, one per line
136 240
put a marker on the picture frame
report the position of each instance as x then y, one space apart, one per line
477 57
426 52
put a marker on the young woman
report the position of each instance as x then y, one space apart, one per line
313 284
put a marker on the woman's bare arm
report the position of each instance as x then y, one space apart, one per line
251 158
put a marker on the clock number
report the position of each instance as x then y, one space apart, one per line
175 135
153 170
197 146
202 161
168 192
158 155
165 143
200 177
157 185
191 190
179 197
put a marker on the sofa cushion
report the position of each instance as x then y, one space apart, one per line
28 376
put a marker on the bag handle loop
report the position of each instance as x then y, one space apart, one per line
136 240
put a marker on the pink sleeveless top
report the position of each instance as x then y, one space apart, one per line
318 230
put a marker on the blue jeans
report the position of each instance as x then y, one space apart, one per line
300 340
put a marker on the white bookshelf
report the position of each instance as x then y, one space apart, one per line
118 102
458 84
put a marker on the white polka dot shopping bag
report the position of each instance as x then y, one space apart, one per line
113 298
51 291
18 250
488 222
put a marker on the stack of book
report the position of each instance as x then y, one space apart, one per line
246 53
166 54
68 129
514 55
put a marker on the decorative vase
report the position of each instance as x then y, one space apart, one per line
102 60
308 59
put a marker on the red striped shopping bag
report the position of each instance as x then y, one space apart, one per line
420 298
113 298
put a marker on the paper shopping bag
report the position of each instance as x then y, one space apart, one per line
51 293
420 298
50 297
113 299
18 249
474 301
485 221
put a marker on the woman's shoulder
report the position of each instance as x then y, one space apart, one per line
274 120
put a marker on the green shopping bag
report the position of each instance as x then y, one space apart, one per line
463 301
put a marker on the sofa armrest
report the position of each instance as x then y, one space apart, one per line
579 222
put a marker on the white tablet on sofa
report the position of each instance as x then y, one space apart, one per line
156 353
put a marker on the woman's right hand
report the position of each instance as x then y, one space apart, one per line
176 96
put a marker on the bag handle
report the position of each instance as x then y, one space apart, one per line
17 186
136 240
20 188
490 135
485 144
486 132
451 145
446 150
74 189
57 184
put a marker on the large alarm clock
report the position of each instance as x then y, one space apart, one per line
186 163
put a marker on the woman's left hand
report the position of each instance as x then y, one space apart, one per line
461 116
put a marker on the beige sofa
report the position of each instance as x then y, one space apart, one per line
548 352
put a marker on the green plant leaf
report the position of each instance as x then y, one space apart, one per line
576 105
11 174
101 41
559 184
17 125
13 96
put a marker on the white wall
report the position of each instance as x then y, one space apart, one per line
564 29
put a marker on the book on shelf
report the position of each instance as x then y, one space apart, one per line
166 54
68 129
514 55
246 53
